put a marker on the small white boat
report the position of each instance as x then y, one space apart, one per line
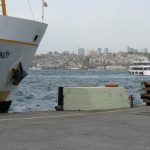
19 40
140 68
73 68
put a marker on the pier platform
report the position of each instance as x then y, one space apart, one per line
126 129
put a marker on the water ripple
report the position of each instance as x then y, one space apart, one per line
39 90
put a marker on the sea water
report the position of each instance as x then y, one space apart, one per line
39 90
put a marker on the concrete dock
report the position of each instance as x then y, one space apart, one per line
127 129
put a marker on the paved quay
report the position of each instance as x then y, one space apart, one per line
127 129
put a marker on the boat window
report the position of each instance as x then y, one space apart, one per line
146 68
135 68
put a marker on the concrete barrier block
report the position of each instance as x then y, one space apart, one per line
95 98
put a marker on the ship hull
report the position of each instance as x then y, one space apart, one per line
19 40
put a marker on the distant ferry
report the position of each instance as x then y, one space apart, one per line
35 68
73 68
140 68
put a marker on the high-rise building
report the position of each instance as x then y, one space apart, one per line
106 50
132 50
81 51
128 49
145 50
99 51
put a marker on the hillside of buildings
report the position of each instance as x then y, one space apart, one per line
92 60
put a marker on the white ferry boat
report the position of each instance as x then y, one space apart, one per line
19 40
140 68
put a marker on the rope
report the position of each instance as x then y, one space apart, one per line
31 10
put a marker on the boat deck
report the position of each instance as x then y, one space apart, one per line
126 129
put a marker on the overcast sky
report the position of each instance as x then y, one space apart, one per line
114 24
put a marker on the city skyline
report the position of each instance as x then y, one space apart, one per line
89 23
99 50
